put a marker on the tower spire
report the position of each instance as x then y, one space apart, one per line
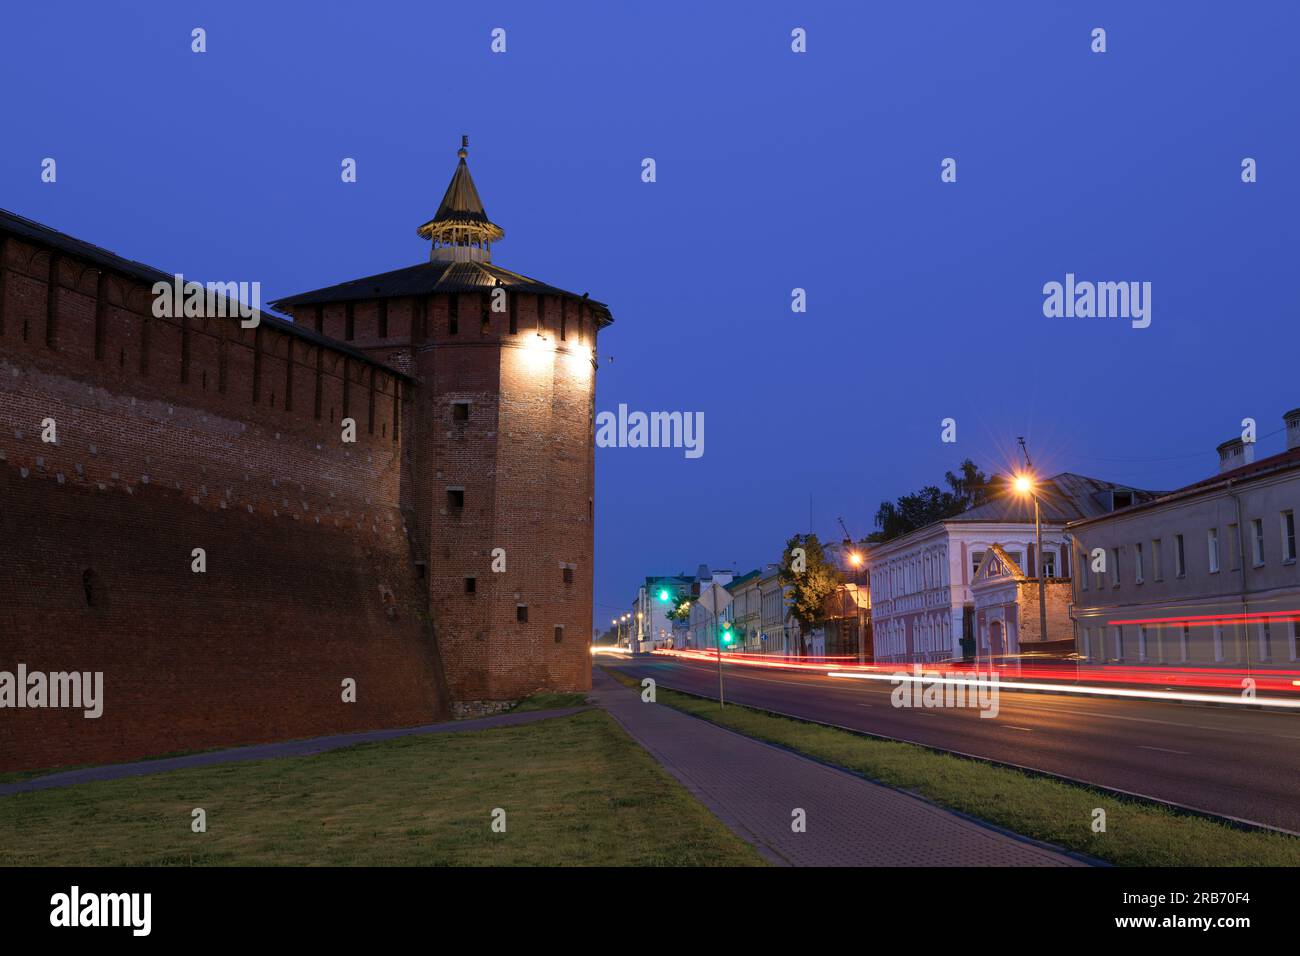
461 230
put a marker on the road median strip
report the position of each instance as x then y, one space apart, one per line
1138 832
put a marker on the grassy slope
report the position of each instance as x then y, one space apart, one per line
1136 834
576 790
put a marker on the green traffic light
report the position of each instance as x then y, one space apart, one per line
663 595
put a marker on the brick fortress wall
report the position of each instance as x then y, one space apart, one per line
175 434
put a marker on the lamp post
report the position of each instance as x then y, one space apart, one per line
855 559
1025 485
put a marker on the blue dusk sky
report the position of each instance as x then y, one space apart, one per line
775 170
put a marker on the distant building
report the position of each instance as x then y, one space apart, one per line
1203 575
846 613
746 611
659 630
922 605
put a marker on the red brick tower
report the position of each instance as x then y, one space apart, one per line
498 453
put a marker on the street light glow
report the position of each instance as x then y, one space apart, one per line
1024 484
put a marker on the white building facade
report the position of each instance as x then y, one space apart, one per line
922 606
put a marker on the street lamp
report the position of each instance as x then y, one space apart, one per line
1024 484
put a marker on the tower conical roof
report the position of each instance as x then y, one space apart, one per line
461 222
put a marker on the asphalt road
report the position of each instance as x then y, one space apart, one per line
1239 763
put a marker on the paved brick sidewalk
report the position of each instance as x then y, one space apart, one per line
287 748
753 787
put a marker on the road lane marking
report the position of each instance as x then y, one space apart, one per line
1028 730
1165 750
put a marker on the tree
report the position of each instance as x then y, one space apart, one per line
968 488
681 609
809 587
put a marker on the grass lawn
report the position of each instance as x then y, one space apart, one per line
545 700
549 700
576 791
1137 834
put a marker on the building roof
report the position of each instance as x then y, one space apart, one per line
744 579
461 209
460 260
428 278
1063 498
29 229
1274 464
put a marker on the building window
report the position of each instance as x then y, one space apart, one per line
1295 639
1119 643
1265 641
1183 641
521 613
1138 568
975 558
1081 564
1049 563
90 585
567 575
564 320
541 312
1288 536
1218 642
349 322
1212 544
460 411
453 314
471 585
455 500
484 316
1180 557
1234 548
1114 567
1157 559
1142 642
559 633
514 315
383 318
1257 542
